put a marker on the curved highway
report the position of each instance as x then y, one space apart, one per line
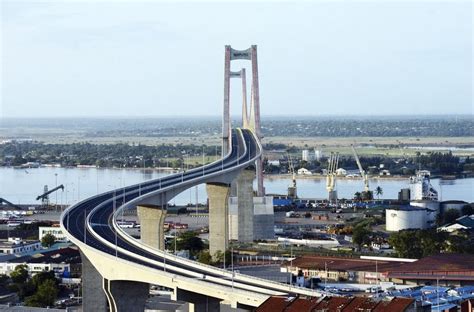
92 224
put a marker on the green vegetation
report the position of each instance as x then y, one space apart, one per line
106 155
44 296
360 235
39 291
48 240
422 243
187 241
378 192
450 216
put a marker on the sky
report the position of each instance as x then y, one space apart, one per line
156 58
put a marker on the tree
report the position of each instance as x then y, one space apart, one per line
360 235
418 243
467 210
378 191
45 295
188 241
451 215
41 277
369 195
20 274
205 257
48 240
358 196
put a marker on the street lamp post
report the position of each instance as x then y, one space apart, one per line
203 160
326 271
56 193
291 264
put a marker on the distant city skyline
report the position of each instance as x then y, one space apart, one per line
324 58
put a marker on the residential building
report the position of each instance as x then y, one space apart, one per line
15 246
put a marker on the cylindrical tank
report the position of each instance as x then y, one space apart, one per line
430 204
398 219
452 204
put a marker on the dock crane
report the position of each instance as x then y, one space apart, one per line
45 196
292 193
363 174
333 161
3 200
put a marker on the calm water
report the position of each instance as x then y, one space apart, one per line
21 186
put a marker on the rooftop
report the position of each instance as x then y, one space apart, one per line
440 262
342 264
333 304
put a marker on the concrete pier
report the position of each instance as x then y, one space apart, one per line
198 302
93 295
127 296
218 195
245 206
152 219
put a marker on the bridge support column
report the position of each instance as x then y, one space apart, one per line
218 195
93 295
245 208
126 296
197 302
152 219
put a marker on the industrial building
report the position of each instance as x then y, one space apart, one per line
421 188
452 204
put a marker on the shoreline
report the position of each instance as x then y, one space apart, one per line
268 176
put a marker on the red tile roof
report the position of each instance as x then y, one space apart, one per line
275 304
360 304
341 264
440 262
333 304
302 304
396 304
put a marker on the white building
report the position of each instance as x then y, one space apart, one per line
14 246
274 163
8 267
341 172
53 230
304 171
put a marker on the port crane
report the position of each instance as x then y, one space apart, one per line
3 200
333 161
292 187
45 196
363 174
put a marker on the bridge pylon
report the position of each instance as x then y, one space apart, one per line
251 121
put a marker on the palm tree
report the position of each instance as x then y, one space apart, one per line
378 192
357 196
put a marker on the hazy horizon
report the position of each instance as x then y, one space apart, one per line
123 59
